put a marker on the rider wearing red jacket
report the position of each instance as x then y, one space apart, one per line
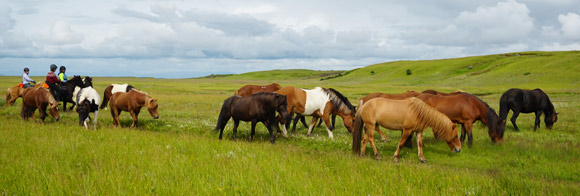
52 80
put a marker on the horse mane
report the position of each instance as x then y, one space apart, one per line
428 116
49 97
263 95
138 91
340 101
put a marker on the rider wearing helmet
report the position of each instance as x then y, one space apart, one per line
62 74
52 80
26 80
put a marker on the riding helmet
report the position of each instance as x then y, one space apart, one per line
62 68
26 69
53 66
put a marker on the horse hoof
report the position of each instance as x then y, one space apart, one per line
396 160
423 160
377 157
286 136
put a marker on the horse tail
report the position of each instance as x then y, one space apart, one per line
105 97
8 95
357 132
224 115
503 106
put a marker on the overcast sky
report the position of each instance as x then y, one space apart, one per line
181 39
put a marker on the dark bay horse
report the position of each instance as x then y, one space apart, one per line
409 115
112 89
68 88
318 103
132 102
260 107
41 99
465 109
249 90
527 101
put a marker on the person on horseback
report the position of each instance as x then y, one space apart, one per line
52 82
26 80
62 75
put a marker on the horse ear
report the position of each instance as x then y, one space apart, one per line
454 126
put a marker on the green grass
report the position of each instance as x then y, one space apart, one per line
179 154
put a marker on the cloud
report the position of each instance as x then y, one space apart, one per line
6 20
62 34
570 25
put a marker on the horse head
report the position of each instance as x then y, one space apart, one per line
551 119
454 142
83 109
495 125
76 81
282 106
88 81
152 107
53 108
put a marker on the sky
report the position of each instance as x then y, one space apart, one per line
184 39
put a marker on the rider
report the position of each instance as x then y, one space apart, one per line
26 80
62 75
52 81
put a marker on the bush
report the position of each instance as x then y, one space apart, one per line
409 72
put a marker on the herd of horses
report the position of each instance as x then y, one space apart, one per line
80 92
273 105
411 112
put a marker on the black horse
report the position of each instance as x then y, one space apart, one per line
260 107
527 101
68 88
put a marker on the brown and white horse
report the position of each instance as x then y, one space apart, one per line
38 98
249 90
409 115
318 103
112 89
132 102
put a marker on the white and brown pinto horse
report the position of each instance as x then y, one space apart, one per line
87 100
409 115
112 89
318 103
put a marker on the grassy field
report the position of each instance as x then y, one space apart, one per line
180 154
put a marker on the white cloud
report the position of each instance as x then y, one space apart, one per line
570 25
62 34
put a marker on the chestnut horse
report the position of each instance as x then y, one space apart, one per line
249 90
465 109
260 107
434 92
318 103
409 115
112 89
15 92
38 98
132 102
527 101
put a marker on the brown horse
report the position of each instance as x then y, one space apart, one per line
409 93
249 90
465 109
132 102
15 92
434 92
112 89
38 98
409 115
318 103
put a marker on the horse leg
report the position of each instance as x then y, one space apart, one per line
513 119
253 130
328 126
368 128
383 135
463 133
95 120
420 146
42 112
295 121
270 130
314 120
73 105
404 136
468 128
537 123
132 112
333 120
236 123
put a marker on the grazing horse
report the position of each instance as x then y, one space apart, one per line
409 115
434 92
249 90
527 101
87 100
132 102
318 103
68 88
38 98
260 107
15 92
112 89
465 109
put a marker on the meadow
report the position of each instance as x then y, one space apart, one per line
180 154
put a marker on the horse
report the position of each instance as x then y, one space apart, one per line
260 107
407 94
434 92
87 101
38 98
112 89
318 103
465 109
132 102
409 115
68 88
527 101
15 92
249 90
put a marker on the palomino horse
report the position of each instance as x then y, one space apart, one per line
410 115
112 89
318 103
132 102
38 98
527 101
15 92
249 90
87 100
465 109
409 93
260 107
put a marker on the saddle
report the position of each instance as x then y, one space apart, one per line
21 85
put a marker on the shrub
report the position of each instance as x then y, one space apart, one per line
409 72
